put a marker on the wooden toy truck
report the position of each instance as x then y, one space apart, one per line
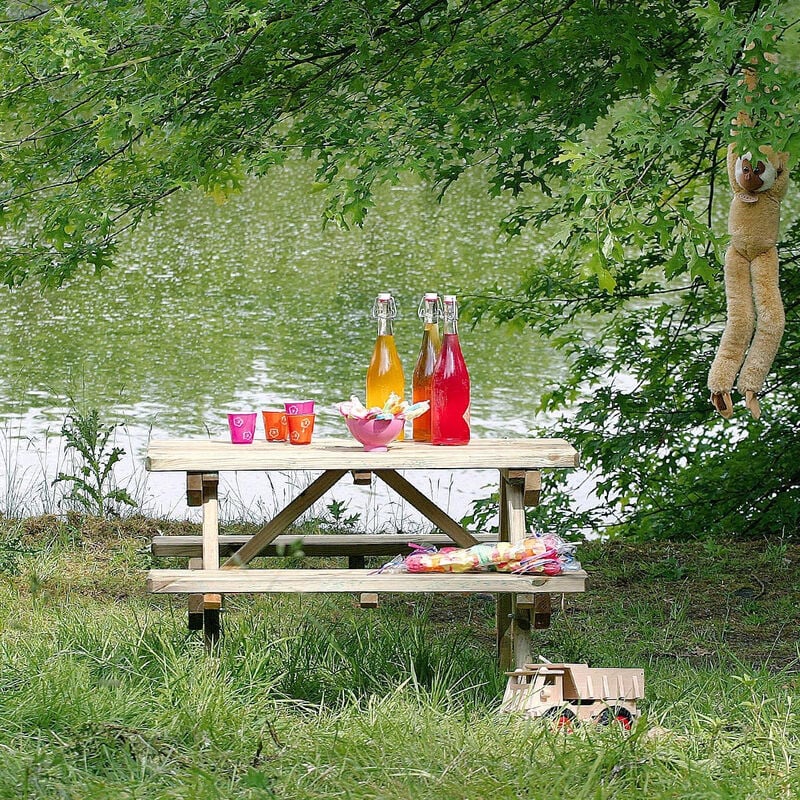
570 693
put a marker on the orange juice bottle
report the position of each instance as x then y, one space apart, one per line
423 372
385 372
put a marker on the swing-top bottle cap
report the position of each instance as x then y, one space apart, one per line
384 296
449 298
431 296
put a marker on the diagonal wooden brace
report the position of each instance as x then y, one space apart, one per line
283 519
426 507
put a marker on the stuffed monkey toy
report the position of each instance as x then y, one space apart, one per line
751 274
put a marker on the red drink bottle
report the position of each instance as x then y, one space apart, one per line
450 385
426 362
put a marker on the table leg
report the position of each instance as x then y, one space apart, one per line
503 603
212 603
196 604
512 516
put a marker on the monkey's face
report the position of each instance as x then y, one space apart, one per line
758 177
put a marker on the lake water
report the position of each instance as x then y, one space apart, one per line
243 305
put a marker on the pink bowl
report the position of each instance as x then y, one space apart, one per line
375 434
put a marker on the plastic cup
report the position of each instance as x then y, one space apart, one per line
275 426
243 427
299 407
301 426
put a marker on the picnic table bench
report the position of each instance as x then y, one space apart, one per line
218 564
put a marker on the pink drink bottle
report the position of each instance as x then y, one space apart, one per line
450 389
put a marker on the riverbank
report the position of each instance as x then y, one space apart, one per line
105 694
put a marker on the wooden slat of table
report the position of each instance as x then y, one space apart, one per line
180 455
235 581
312 544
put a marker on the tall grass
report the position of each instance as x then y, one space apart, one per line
313 698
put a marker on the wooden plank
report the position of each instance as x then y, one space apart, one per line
217 455
237 581
368 600
212 601
284 518
194 489
335 544
426 507
531 480
541 612
533 487
362 477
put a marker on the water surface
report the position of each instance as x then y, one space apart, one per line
240 306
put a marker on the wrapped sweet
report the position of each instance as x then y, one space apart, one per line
548 555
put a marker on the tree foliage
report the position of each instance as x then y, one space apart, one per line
605 119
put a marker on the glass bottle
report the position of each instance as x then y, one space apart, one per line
385 372
426 362
450 385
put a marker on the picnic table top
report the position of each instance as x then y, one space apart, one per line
212 455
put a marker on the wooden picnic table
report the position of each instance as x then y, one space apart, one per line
523 600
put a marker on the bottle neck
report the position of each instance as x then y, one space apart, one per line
429 314
450 318
384 311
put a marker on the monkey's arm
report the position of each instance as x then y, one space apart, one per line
781 184
732 167
781 163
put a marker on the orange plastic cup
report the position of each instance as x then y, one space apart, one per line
276 428
301 426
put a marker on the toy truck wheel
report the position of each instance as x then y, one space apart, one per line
618 714
563 717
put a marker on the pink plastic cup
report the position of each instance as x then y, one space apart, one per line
299 407
243 427
301 426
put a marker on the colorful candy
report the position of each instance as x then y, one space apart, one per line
393 407
548 554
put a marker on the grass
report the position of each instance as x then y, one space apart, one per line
106 695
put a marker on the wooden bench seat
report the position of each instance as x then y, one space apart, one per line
235 581
379 544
